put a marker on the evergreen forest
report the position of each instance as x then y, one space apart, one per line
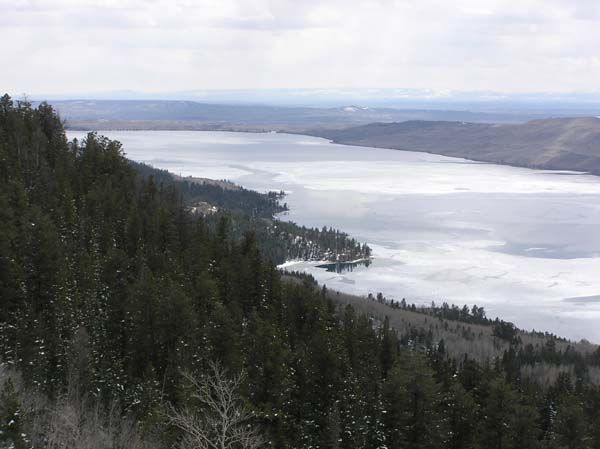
128 321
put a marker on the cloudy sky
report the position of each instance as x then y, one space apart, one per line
68 46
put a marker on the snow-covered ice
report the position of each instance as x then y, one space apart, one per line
525 244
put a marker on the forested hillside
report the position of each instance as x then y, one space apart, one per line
224 195
250 211
467 332
125 321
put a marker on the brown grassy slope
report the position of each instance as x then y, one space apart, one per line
559 144
461 338
474 340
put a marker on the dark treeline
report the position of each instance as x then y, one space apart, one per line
282 241
250 211
110 290
464 314
537 354
326 244
222 194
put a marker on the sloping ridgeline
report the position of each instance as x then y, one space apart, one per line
110 289
556 143
246 210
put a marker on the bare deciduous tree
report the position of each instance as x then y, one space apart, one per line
79 424
225 422
72 420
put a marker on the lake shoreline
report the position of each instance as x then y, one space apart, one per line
308 133
434 223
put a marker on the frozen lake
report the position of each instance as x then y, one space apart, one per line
525 244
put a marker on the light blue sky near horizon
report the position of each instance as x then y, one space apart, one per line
64 47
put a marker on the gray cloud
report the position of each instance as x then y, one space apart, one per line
159 45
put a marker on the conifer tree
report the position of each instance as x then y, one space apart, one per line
412 402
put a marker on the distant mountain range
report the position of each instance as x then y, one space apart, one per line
550 103
559 144
161 114
521 139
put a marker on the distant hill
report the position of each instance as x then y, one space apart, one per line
179 115
515 139
558 144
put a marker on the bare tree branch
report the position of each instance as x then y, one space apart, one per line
225 422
